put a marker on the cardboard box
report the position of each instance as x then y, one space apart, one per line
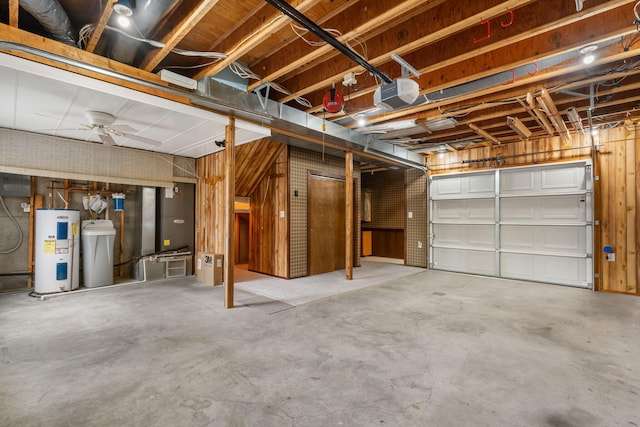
210 268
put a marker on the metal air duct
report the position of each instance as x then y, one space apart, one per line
53 18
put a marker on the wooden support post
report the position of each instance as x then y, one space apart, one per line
348 217
229 211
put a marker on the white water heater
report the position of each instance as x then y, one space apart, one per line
57 251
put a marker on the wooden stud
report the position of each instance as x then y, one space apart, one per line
348 217
100 26
177 34
257 37
229 212
14 10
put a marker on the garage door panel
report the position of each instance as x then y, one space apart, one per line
549 209
545 179
465 185
467 210
482 185
465 261
517 182
551 239
545 268
569 179
464 235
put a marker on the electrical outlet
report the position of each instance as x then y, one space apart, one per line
611 257
419 245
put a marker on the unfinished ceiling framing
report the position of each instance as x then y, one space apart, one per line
490 72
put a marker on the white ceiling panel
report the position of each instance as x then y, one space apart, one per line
50 101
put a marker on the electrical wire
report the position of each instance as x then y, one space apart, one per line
87 30
301 32
244 72
15 222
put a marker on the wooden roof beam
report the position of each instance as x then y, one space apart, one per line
100 26
484 134
14 10
176 35
450 24
245 45
609 21
277 66
549 107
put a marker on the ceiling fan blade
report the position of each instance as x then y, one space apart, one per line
123 128
142 139
106 139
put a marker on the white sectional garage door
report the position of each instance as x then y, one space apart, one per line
532 223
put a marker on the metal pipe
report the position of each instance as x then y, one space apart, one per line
53 18
297 16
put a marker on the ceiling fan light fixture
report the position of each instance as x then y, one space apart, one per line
123 7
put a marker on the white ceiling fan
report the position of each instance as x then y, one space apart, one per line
102 124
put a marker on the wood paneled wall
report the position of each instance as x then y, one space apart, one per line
617 196
210 204
616 191
269 220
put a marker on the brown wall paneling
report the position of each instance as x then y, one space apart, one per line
388 200
388 243
269 220
210 204
416 235
618 161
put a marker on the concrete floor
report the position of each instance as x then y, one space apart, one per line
430 349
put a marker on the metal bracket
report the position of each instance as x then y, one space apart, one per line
258 92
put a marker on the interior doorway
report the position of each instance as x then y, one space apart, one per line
242 238
326 222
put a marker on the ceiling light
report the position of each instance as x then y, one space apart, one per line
123 7
587 53
362 122
177 79
123 21
575 119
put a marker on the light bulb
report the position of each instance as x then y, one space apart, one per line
123 21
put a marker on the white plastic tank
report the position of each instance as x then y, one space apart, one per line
57 250
98 237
